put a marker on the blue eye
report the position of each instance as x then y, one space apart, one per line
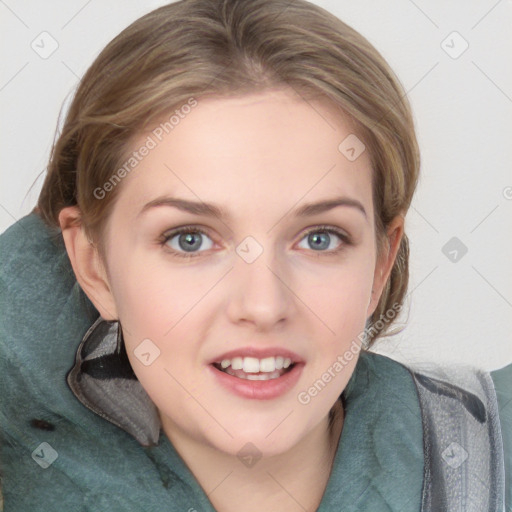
184 242
187 241
321 239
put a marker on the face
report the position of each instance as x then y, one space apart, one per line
266 278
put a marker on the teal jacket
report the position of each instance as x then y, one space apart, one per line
59 455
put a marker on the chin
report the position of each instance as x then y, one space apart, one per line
261 441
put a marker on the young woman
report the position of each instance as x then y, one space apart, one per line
219 240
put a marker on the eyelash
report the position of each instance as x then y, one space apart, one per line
346 240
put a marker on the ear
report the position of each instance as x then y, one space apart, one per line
385 262
86 262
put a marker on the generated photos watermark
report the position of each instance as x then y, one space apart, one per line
150 143
304 397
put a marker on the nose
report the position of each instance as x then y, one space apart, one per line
259 293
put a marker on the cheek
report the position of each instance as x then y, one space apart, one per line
163 305
150 295
341 291
342 305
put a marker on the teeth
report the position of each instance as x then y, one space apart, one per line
268 376
254 365
248 376
268 364
251 365
237 363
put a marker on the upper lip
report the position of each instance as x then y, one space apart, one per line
258 353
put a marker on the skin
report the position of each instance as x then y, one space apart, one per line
258 156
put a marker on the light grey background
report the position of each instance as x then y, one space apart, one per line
459 311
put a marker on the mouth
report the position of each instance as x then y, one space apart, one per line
249 381
247 372
257 373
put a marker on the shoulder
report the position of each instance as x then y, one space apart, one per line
44 315
467 428
44 311
49 439
502 380
28 243
381 372
380 454
36 277
387 386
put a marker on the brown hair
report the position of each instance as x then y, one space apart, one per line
197 48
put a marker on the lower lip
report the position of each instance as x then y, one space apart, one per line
259 389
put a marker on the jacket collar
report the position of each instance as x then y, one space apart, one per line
103 380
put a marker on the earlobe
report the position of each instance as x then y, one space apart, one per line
86 262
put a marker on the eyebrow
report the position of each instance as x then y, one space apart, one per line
212 210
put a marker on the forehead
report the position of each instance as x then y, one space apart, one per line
265 150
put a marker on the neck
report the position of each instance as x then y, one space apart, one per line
291 481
